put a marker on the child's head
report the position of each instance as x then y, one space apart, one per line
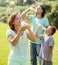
50 30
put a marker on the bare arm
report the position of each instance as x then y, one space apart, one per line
15 39
24 14
36 34
49 52
31 36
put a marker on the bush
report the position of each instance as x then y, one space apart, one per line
19 2
56 7
47 7
55 22
53 18
4 4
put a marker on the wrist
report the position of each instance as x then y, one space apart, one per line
47 58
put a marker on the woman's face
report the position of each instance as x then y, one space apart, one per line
39 9
17 21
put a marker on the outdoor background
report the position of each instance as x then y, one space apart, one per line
9 6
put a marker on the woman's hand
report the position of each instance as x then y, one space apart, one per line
24 27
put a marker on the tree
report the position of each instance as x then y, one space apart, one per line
19 2
30 1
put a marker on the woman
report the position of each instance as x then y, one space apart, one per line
35 21
17 36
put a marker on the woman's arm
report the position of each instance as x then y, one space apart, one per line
31 36
36 33
15 39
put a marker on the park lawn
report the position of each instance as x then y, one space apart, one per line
5 47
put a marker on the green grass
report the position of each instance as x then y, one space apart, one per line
5 48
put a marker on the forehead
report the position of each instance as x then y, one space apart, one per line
49 27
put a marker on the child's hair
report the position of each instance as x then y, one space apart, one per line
53 30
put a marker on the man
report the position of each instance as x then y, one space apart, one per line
35 20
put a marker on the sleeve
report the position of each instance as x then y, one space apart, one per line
9 32
51 41
31 18
41 36
46 22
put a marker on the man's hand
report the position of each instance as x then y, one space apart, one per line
32 8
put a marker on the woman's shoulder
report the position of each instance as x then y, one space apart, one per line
9 32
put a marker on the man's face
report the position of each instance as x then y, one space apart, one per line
39 9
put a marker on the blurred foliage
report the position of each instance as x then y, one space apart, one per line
47 7
30 1
9 6
53 18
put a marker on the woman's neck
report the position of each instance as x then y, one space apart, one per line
17 29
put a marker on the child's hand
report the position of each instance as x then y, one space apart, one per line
39 26
47 59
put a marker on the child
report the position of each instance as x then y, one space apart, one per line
47 45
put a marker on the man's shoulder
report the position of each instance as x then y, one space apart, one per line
32 15
45 18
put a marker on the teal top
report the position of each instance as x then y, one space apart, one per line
35 21
20 51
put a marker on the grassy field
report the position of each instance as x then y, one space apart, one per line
5 48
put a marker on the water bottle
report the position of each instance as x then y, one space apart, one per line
32 8
24 23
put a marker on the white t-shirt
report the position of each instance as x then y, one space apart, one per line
20 51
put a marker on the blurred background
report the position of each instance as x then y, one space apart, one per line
9 6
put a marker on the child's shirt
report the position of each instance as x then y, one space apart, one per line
46 42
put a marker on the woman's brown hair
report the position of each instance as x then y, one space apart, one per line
11 20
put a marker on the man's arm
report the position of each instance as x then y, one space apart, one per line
31 36
24 14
